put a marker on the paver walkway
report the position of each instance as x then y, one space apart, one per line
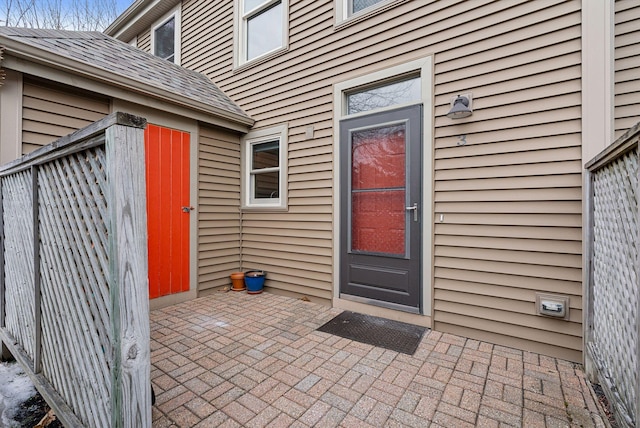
232 359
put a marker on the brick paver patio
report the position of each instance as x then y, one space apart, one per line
232 359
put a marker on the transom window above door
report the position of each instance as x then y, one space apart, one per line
388 94
261 28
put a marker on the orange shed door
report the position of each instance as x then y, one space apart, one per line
167 161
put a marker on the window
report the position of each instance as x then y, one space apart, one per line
165 37
262 28
346 9
355 6
265 168
404 91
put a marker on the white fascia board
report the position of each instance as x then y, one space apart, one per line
138 17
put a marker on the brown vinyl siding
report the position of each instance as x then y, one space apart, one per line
511 197
144 40
627 64
218 202
49 113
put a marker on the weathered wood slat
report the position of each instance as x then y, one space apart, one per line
94 240
68 419
80 331
19 310
612 292
62 315
73 271
37 357
75 142
92 250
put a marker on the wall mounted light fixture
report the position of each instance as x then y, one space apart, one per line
461 106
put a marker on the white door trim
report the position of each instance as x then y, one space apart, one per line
423 67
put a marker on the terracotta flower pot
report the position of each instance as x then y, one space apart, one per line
237 281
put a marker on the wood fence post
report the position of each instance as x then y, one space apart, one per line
128 277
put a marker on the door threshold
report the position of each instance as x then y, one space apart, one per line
371 307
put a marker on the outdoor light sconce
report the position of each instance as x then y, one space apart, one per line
460 107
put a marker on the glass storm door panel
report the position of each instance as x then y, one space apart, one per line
381 198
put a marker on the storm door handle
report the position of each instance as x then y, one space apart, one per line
414 208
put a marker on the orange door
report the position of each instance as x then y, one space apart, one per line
167 162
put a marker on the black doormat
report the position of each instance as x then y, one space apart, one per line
388 334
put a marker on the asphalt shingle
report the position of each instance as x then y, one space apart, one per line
105 53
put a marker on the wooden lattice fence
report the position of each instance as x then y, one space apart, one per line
73 273
612 335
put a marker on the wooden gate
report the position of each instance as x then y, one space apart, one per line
168 208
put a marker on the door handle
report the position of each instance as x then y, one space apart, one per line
187 209
413 208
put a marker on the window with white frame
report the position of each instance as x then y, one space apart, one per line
265 168
261 28
345 9
355 6
165 37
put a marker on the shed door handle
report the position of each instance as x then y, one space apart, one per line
187 209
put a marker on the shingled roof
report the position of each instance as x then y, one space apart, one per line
123 65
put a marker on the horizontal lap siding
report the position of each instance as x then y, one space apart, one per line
627 64
144 41
508 203
511 197
48 114
218 202
294 247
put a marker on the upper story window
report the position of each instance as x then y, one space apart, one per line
348 9
262 28
165 37
355 6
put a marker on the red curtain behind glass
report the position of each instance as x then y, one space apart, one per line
378 190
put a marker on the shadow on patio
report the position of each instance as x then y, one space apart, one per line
232 359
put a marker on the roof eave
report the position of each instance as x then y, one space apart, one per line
138 17
44 57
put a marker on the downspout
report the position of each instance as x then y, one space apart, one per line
240 242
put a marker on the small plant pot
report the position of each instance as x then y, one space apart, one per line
254 280
237 281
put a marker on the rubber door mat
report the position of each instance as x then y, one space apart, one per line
388 334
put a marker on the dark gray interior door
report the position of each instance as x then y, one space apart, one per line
381 208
